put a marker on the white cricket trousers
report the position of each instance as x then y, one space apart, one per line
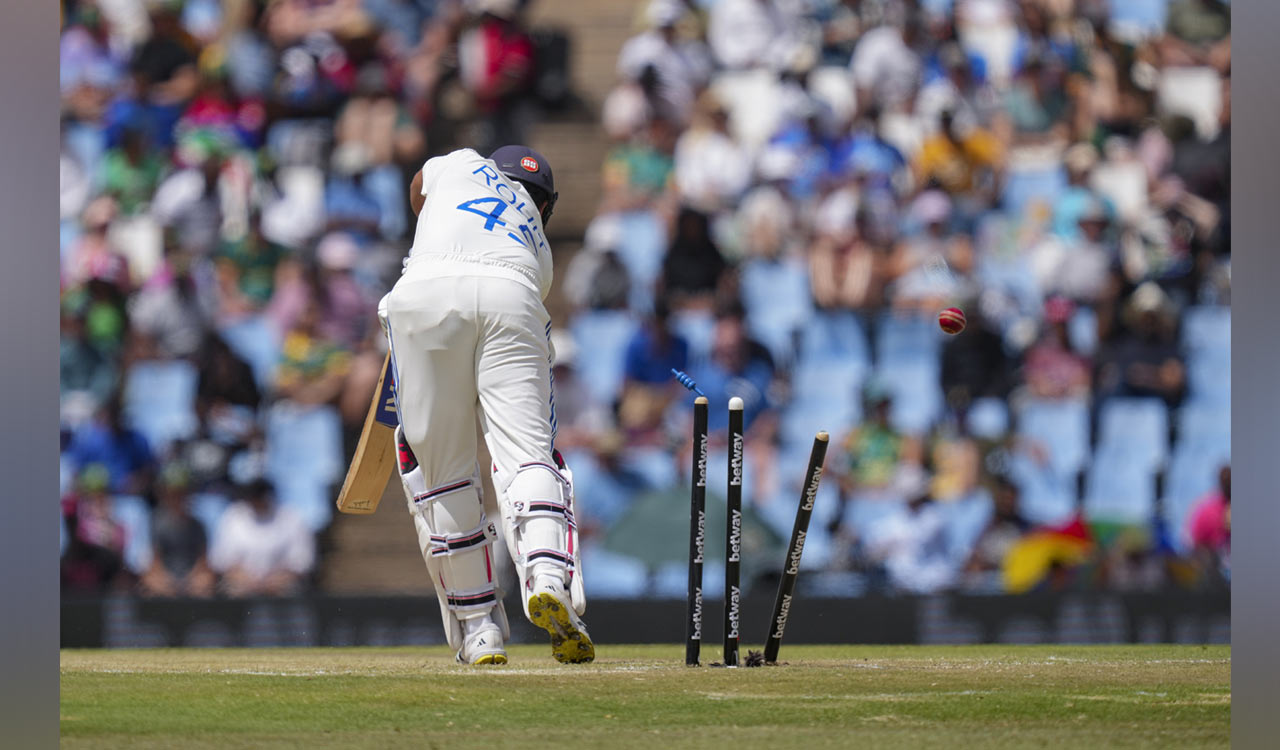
468 346
465 347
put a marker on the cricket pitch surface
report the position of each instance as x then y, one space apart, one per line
644 697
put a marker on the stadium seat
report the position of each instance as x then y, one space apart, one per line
1207 424
1136 20
834 335
642 244
917 395
907 339
1209 376
1026 185
1062 427
1119 490
1193 473
160 400
1137 428
207 508
305 459
1206 328
1015 278
134 515
778 302
1044 496
988 418
1082 331
966 517
256 341
605 334
698 328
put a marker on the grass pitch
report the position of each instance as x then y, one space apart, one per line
643 697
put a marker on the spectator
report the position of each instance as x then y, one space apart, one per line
654 351
313 368
92 256
95 550
873 451
1209 526
678 69
108 442
260 547
711 170
744 33
495 62
247 272
739 366
977 364
168 309
1054 370
179 565
911 544
1144 360
692 269
1002 531
962 162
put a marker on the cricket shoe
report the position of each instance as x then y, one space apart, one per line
484 646
549 609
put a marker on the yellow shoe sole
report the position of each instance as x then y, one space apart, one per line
491 659
569 645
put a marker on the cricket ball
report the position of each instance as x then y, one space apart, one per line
951 320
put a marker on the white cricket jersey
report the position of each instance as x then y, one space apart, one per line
476 221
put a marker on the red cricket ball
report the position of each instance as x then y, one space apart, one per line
951 320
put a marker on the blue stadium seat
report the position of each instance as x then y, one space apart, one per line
988 418
133 513
1137 428
778 302
605 334
1062 426
834 335
1015 278
1119 490
1024 186
256 341
1044 496
1207 328
1206 424
603 498
1209 376
160 400
966 517
609 575
907 339
207 508
917 395
1082 331
862 513
1193 473
698 328
641 247
305 458
1137 18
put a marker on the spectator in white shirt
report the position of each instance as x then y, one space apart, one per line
678 69
261 548
711 169
742 32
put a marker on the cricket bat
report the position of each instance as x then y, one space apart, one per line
375 455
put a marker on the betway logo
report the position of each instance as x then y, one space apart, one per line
736 479
793 560
811 491
735 536
733 613
700 539
783 612
697 614
701 479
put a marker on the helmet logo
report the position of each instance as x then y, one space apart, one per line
529 163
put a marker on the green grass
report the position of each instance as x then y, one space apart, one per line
643 697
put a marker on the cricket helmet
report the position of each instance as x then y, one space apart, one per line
525 165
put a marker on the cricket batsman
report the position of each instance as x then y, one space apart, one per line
470 338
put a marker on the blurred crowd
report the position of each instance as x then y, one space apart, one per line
796 188
793 190
233 203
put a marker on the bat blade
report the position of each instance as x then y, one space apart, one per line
375 455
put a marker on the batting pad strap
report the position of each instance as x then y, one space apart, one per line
442 490
448 544
472 600
545 508
547 555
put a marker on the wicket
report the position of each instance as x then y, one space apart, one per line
791 566
697 532
733 538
